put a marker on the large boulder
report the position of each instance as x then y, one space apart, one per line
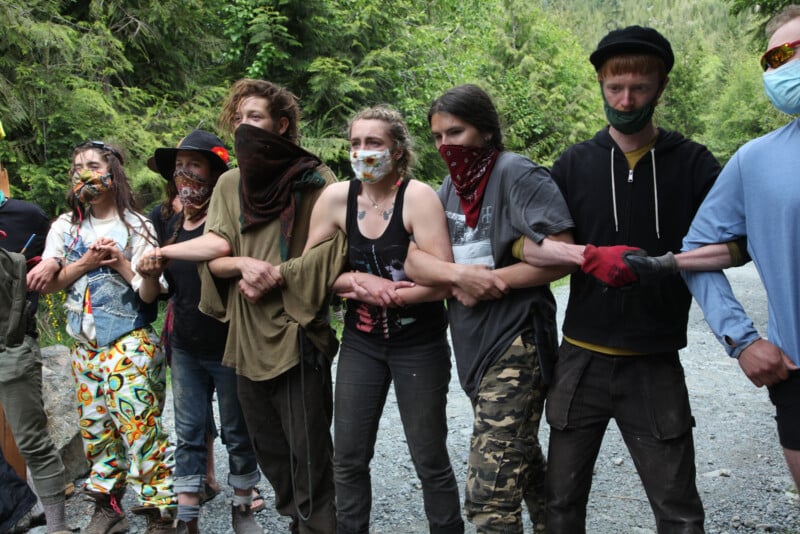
58 390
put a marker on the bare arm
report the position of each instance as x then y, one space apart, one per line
206 247
91 260
557 250
706 258
328 215
42 274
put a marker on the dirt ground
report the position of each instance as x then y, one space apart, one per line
742 477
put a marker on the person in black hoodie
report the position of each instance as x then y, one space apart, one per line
636 185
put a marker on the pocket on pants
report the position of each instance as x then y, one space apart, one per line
20 360
569 369
495 470
667 398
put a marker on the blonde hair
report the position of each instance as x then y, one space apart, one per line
397 129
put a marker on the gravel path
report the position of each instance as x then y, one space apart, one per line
742 477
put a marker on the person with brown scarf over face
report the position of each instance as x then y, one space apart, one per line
279 344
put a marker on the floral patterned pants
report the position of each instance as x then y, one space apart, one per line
120 390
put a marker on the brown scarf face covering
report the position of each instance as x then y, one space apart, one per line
270 167
469 167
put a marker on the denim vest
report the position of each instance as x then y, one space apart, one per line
116 307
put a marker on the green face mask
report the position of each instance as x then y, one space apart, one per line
2 197
629 122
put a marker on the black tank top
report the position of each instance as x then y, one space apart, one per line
385 257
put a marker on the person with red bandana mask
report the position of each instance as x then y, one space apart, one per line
197 341
502 315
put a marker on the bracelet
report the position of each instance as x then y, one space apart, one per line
60 263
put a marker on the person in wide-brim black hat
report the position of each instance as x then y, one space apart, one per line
163 162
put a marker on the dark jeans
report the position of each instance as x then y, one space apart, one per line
421 375
647 397
289 419
193 380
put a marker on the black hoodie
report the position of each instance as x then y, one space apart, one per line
650 207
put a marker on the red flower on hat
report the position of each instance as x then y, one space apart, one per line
221 152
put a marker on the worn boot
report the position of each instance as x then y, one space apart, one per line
187 527
108 517
244 521
156 524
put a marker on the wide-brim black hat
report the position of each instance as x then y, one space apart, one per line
198 141
633 40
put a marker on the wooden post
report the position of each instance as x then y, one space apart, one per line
9 446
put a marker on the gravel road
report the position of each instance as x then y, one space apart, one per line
742 477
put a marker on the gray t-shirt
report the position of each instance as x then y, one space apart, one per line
520 199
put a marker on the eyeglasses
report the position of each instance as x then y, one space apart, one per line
775 57
100 145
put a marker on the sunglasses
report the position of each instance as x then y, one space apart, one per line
99 145
775 57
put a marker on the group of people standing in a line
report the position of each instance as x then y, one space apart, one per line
251 260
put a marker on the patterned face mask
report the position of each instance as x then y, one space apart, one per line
193 191
371 166
87 185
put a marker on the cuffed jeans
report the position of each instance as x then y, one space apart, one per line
421 376
647 397
21 397
193 381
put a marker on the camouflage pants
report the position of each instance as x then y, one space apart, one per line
506 464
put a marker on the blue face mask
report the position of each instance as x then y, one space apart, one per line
782 86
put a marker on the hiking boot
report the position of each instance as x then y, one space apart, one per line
108 517
156 524
243 520
187 527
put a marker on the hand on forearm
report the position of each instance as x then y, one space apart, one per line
40 276
480 282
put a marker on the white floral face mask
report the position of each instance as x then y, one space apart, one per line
371 166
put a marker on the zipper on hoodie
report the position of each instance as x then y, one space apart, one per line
630 176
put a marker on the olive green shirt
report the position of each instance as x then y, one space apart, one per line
262 337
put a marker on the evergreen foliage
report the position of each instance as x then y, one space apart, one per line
142 73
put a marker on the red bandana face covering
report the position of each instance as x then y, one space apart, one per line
469 167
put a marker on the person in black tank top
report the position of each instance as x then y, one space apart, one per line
395 331
198 342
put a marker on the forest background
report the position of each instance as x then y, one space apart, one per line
143 73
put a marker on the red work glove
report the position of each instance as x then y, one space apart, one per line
608 265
